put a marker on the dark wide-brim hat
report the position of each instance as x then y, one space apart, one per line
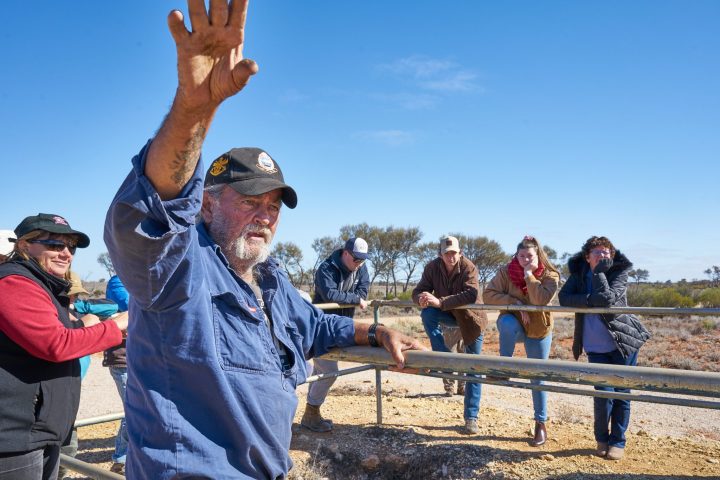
50 223
250 171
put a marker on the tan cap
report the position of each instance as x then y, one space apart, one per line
449 244
76 286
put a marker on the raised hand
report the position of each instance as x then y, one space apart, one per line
210 59
211 68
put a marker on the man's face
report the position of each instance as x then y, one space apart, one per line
450 259
243 225
350 262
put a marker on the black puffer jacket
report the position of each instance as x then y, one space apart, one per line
609 290
38 398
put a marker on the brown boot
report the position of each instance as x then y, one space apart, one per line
449 386
461 388
540 436
313 420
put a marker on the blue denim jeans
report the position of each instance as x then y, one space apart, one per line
119 374
35 465
432 318
611 411
512 332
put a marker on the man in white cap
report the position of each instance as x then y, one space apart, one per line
342 278
448 282
6 246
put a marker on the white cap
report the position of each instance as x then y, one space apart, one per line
449 244
6 246
357 247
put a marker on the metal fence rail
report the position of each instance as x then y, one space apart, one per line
662 380
441 365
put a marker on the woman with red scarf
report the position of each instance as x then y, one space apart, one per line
529 279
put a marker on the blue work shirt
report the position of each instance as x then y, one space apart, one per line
207 394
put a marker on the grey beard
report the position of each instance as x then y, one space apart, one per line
237 249
242 252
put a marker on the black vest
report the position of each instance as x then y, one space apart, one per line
38 399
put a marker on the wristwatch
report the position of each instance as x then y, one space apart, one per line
372 337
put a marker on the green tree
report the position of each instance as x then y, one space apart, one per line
104 260
486 254
290 257
639 275
714 274
323 247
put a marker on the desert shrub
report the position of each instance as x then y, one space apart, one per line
411 328
669 297
710 298
640 296
404 296
679 362
713 357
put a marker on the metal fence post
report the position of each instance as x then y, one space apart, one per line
378 373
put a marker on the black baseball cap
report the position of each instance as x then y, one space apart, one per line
50 223
249 171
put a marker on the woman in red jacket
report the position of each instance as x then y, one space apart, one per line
40 346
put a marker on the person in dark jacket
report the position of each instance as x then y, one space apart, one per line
598 278
40 346
342 278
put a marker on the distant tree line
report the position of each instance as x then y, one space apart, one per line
397 255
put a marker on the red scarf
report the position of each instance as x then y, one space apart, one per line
517 274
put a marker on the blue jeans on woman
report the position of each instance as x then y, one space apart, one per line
512 332
612 411
432 318
119 374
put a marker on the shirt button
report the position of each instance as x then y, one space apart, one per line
273 350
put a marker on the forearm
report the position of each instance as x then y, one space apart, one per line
175 150
541 292
361 334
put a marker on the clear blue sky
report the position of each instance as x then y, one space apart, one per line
561 119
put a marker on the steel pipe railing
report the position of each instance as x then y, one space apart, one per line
665 400
680 382
684 382
647 311
88 469
110 417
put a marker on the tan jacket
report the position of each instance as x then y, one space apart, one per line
501 291
461 287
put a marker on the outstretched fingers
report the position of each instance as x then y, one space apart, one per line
218 12
176 23
198 15
238 14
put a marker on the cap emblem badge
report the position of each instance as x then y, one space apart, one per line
60 221
266 164
218 166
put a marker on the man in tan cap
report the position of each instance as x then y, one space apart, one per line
448 282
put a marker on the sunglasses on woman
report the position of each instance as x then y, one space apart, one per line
56 245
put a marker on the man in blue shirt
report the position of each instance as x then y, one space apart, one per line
219 336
